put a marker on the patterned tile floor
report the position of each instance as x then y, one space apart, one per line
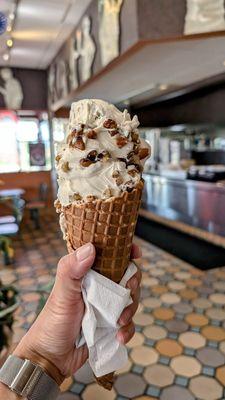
178 351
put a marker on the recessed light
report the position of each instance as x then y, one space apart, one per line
9 43
5 56
12 16
163 87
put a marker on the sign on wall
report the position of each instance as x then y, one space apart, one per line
37 154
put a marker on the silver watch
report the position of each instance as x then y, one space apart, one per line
28 379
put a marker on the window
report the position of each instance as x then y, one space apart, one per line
15 137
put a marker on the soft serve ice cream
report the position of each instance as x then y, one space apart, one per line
102 155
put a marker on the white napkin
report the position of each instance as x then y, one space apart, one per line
105 300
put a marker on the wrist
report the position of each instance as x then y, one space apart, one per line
33 356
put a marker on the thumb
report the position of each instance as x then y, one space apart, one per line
71 269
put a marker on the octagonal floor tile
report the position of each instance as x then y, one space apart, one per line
194 319
181 275
213 333
143 319
176 393
149 282
185 366
144 355
188 294
220 374
170 298
159 289
96 392
68 396
222 347
163 313
193 340
129 385
176 326
218 298
155 332
125 369
137 340
205 388
176 285
211 357
159 375
84 374
216 313
152 302
169 347
202 303
183 308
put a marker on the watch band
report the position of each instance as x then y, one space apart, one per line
28 379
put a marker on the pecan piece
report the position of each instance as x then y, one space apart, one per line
107 193
115 174
133 172
58 157
92 155
92 134
104 156
110 124
114 132
121 141
66 167
58 206
79 144
143 153
84 162
135 137
90 198
119 180
136 148
77 197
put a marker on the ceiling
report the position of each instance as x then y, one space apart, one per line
157 68
40 29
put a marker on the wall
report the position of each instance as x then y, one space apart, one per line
205 105
34 85
158 19
29 181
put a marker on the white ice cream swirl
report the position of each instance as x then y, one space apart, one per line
114 164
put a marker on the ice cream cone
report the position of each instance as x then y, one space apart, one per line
109 225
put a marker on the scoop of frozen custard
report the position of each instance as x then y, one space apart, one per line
102 155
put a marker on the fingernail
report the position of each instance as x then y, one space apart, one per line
84 252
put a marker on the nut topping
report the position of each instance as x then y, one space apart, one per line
134 137
119 180
115 174
121 141
92 155
58 157
136 148
58 206
79 144
133 172
110 124
104 156
107 193
84 162
143 153
114 132
77 197
66 167
90 198
92 134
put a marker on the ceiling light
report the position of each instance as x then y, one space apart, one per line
5 57
9 43
12 16
163 87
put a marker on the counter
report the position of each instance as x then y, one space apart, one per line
194 207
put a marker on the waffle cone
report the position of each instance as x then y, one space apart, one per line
109 225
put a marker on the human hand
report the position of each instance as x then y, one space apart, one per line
50 340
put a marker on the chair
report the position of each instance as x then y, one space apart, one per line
35 205
9 226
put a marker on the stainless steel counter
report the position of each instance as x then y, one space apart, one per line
198 204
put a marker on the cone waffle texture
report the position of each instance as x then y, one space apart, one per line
109 225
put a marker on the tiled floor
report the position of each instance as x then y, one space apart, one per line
178 351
